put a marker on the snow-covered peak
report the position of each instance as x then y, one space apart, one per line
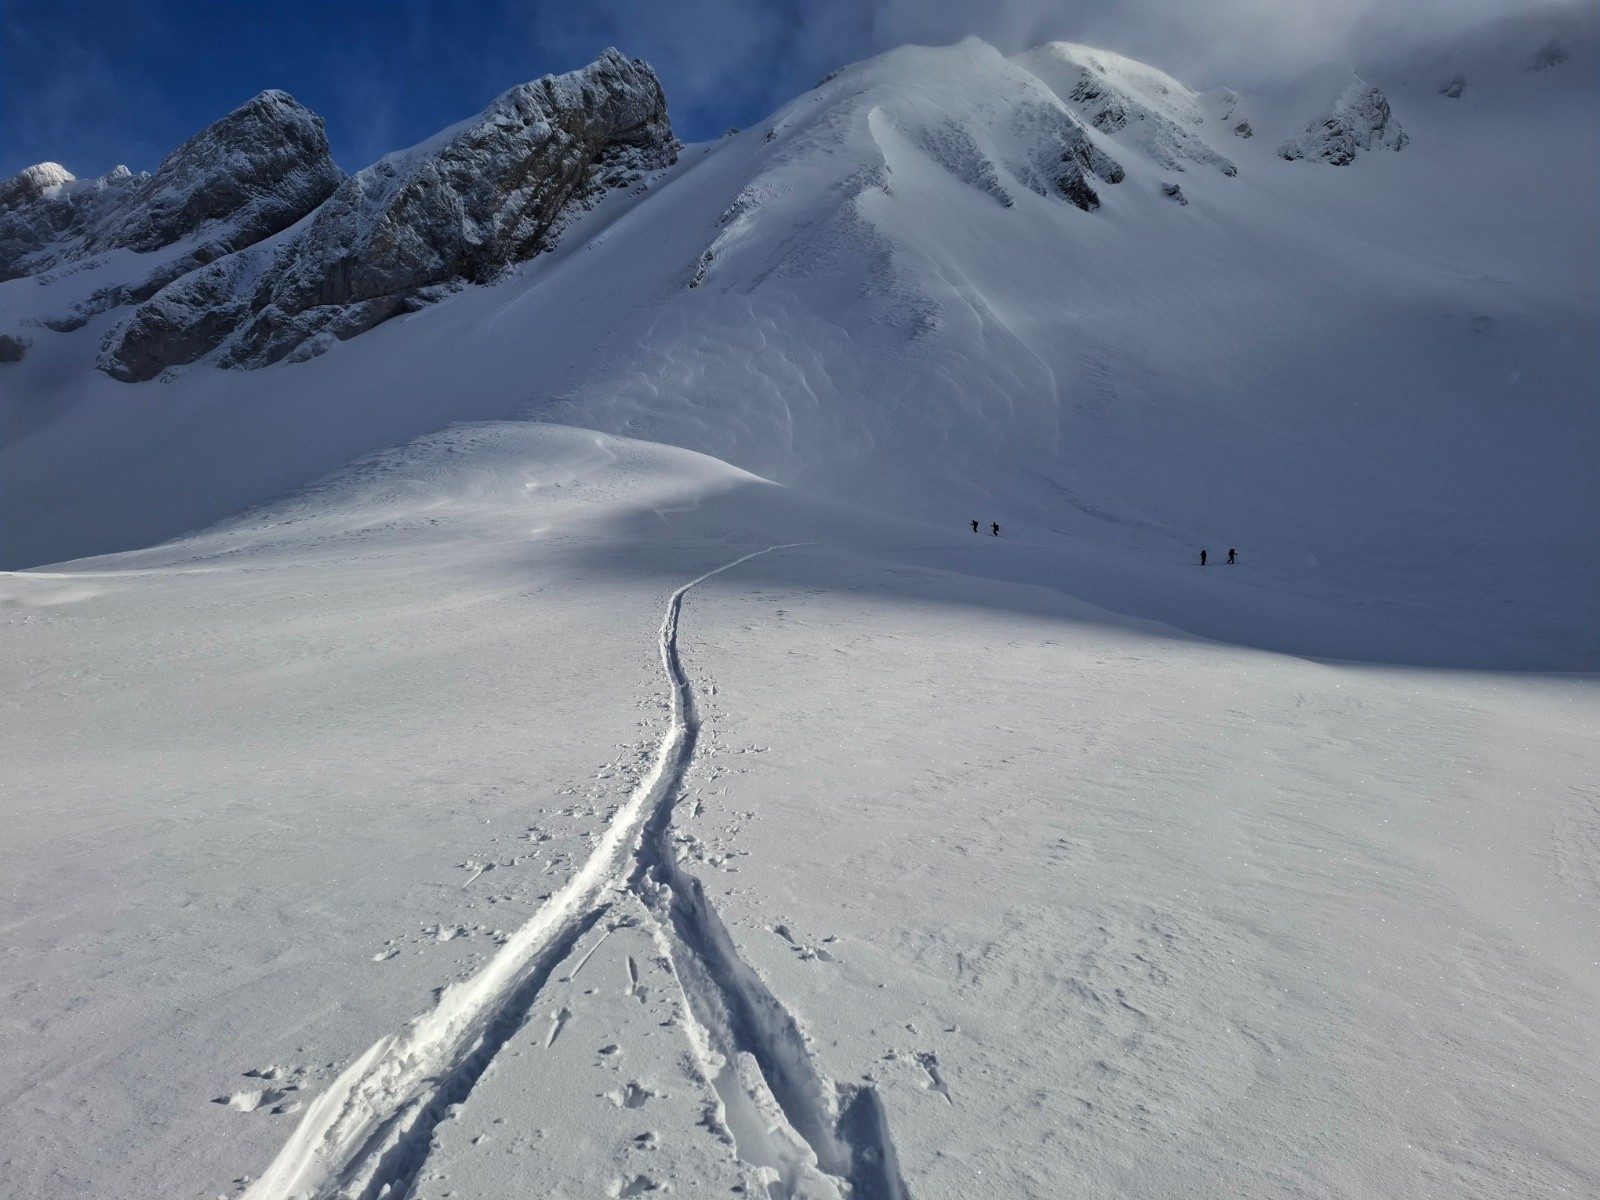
1118 96
31 183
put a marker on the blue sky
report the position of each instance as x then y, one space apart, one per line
94 83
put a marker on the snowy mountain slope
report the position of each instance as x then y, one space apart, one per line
1080 902
1372 378
528 809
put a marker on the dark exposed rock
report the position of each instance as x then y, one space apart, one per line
1173 192
1454 86
1359 119
455 210
1243 130
12 348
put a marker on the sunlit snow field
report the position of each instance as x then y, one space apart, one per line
1095 905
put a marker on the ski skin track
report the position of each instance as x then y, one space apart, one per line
368 1134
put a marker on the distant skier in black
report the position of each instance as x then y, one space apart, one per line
974 527
1202 558
995 528
1232 554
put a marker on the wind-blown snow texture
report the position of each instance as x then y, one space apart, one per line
671 791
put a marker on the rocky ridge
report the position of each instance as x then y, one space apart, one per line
457 209
254 172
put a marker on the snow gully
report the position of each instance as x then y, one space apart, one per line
369 1134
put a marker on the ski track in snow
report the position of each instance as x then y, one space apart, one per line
369 1134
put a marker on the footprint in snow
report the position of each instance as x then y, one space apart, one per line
634 1095
639 1185
557 1019
249 1101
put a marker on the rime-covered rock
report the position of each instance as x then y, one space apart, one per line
1359 119
1065 160
1121 97
457 209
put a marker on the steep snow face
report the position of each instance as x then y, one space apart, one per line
458 209
256 171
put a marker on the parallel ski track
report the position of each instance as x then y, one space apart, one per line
368 1135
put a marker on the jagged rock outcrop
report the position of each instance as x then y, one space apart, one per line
1359 119
253 173
256 171
395 236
